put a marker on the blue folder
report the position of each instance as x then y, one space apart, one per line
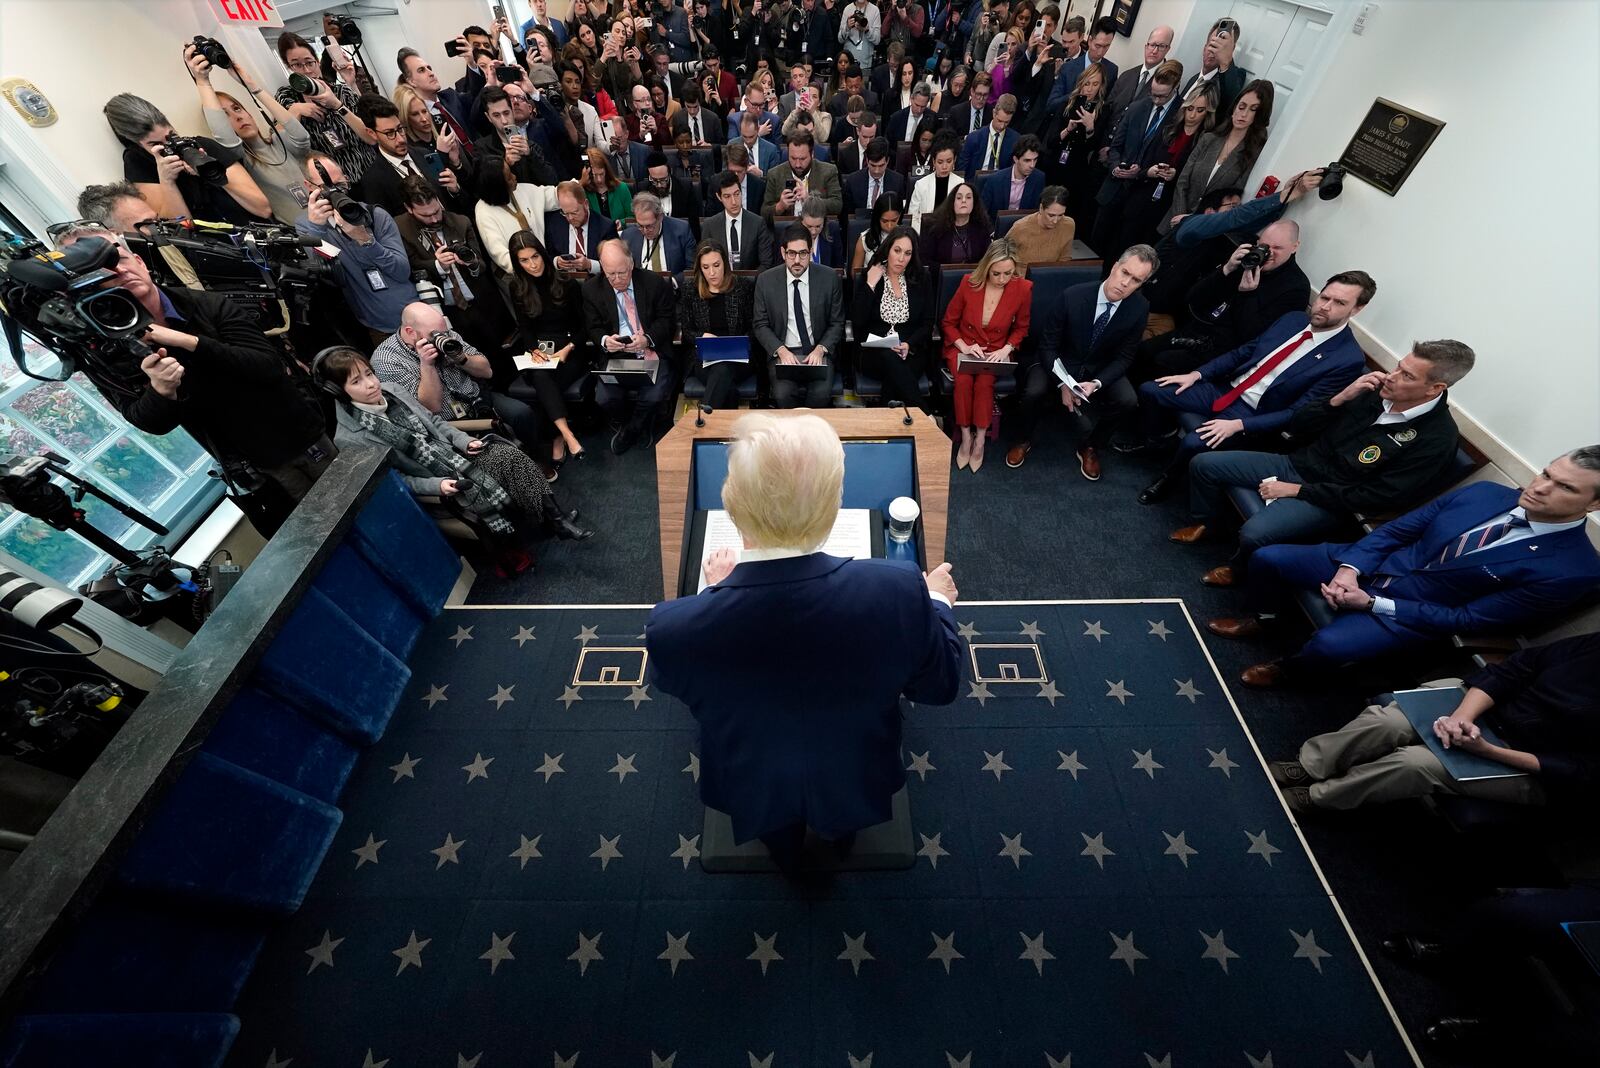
722 349
1424 706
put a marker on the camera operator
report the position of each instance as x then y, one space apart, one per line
154 159
274 156
860 31
510 140
371 268
1259 283
217 377
326 111
669 25
709 29
451 386
904 22
118 206
443 246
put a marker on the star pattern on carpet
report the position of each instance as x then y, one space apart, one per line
1094 630
1264 1061
435 694
638 696
944 950
952 1061
1305 945
858 1062
370 1061
367 852
407 768
1152 1061
1034 952
274 1062
688 849
1048 691
569 697
463 1061
499 950
462 634
551 766
967 631
1070 762
1126 951
527 849
766 950
692 769
1064 1061
1158 628
1119 691
586 635
1095 846
479 768
1178 846
1031 631
447 852
588 951
855 951
502 694
322 953
932 849
623 767
1220 761
607 851
658 1061
410 954
980 693
760 1062
523 636
995 762
1217 950
1261 847
921 765
1146 763
677 951
1187 690
1360 1062
1013 848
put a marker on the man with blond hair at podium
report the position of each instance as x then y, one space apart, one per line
794 661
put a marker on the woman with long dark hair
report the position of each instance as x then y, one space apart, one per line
1225 156
715 302
1150 203
897 298
549 326
886 216
957 231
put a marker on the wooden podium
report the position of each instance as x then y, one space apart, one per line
674 463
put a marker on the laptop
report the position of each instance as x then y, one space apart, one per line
972 365
722 349
802 372
630 372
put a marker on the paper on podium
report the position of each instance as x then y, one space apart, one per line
851 537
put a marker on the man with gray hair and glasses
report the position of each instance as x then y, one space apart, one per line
1377 447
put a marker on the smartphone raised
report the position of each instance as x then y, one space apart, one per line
452 48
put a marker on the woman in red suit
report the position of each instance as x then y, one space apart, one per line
987 318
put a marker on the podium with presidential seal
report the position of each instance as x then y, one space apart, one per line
889 454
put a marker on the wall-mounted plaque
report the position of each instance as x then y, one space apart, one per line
1124 12
1388 144
30 103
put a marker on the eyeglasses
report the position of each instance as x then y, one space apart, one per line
387 133
303 64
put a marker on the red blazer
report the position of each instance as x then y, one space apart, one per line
964 318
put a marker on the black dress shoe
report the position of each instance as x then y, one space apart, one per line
1156 490
568 530
1456 1031
624 439
1413 950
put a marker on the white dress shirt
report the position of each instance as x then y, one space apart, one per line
1253 395
1391 416
734 227
791 333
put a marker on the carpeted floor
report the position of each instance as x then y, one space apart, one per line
1104 876
1043 532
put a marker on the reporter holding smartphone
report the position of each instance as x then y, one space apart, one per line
274 155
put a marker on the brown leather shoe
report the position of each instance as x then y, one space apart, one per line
1263 676
1188 535
1245 627
1089 463
1220 576
1298 798
1017 453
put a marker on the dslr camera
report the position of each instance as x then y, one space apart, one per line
215 54
189 150
348 207
1256 257
858 21
448 347
468 257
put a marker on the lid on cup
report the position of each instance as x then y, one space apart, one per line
904 510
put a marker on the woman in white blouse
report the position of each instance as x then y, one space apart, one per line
933 187
504 207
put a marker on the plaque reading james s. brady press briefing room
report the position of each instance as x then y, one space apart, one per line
1388 144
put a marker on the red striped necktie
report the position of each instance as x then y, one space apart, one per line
1473 540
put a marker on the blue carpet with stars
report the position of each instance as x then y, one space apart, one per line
1105 878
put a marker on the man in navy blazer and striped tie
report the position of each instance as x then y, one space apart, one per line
1485 558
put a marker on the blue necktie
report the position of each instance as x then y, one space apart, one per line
800 322
1100 325
1155 117
1470 543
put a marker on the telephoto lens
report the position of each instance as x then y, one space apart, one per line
349 208
449 347
299 83
189 150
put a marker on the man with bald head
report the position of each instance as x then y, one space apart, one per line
452 386
1134 83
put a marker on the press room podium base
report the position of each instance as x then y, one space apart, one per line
682 489
884 847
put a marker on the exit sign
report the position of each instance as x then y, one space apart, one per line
248 12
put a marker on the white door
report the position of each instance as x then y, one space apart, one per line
1277 41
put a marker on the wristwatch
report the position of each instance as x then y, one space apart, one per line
344 109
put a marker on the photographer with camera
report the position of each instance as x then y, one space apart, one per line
215 375
193 177
447 375
118 207
273 155
904 22
443 246
371 268
860 31
708 29
326 111
669 27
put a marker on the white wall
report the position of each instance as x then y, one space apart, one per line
1129 51
1492 239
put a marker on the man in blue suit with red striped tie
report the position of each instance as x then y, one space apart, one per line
1482 559
1253 391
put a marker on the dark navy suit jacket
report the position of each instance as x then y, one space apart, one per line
1314 377
794 669
976 146
995 191
1503 586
